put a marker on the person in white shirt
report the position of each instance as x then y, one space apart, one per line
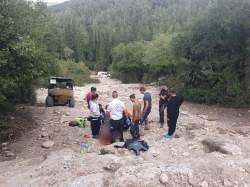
95 116
115 112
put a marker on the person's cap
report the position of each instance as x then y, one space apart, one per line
93 88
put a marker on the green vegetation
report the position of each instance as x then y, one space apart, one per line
31 51
203 46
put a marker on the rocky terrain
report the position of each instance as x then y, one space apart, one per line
211 147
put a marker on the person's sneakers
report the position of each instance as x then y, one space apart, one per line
161 126
142 123
167 136
95 136
146 127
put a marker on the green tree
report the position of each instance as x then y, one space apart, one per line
127 61
24 47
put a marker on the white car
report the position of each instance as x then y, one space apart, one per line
103 74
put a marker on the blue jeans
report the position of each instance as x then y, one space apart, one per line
145 116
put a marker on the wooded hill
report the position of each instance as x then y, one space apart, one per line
203 45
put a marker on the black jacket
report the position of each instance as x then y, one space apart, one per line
162 101
174 104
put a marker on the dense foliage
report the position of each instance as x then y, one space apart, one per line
30 47
28 44
202 45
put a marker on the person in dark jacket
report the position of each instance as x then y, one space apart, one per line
173 107
163 102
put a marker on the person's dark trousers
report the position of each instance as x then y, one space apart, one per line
95 126
161 112
134 130
116 127
172 125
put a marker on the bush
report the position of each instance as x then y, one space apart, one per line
6 107
78 72
90 65
148 78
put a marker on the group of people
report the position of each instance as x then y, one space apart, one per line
116 113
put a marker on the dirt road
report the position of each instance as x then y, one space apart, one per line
210 143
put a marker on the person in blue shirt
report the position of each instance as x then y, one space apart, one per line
102 113
146 108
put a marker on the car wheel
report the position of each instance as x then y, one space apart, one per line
49 101
72 102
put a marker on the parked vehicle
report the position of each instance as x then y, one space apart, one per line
103 74
60 91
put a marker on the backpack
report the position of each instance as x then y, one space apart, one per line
145 144
127 142
81 122
135 145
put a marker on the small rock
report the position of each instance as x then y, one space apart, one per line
153 83
10 154
202 116
67 114
5 144
178 135
193 126
154 154
184 113
193 181
204 184
227 182
48 144
44 134
4 148
12 118
186 154
212 118
112 167
164 178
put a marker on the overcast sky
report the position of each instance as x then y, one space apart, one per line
51 1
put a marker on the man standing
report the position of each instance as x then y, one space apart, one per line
146 108
163 96
95 116
115 111
134 129
89 95
174 104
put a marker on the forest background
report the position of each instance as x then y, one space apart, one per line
202 46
